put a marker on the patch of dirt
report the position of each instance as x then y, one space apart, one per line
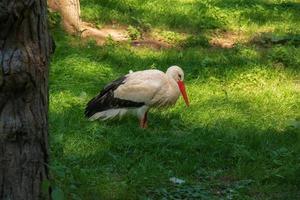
73 24
151 43
267 39
117 33
120 34
226 39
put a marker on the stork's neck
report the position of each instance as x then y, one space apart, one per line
172 80
171 74
173 91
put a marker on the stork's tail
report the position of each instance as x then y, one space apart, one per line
106 106
108 114
99 108
103 107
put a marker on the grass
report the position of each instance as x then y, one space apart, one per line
197 16
239 139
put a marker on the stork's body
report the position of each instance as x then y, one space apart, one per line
136 93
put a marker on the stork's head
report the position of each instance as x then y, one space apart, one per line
177 74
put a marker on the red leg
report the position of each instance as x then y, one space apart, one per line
143 121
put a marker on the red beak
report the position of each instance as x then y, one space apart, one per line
183 92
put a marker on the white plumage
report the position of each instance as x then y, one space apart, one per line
136 92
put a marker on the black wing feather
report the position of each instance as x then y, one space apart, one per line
105 99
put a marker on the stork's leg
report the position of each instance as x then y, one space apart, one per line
145 120
142 115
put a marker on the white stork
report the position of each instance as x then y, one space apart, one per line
136 92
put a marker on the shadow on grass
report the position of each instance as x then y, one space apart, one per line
117 154
269 39
196 18
262 12
104 64
118 158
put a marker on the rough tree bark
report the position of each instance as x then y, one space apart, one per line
25 47
70 13
71 21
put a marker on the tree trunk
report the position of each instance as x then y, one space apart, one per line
70 13
25 47
71 21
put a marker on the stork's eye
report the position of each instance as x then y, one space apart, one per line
179 76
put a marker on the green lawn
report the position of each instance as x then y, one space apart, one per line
239 139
